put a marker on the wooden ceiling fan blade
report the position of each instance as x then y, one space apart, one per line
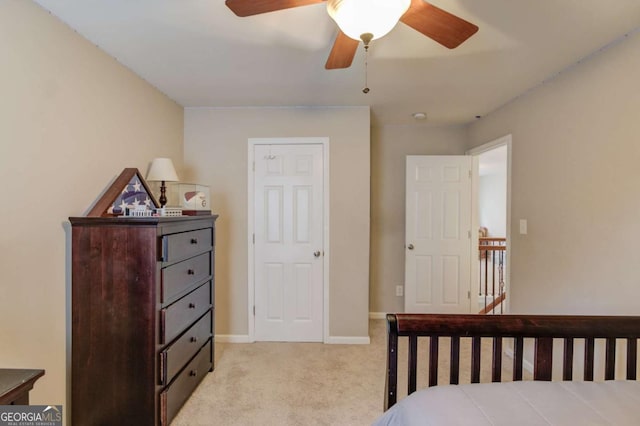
437 24
245 8
342 52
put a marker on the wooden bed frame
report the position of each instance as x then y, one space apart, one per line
541 328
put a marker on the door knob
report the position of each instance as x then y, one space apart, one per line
316 253
410 246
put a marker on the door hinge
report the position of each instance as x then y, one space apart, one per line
254 310
469 234
254 238
468 297
469 174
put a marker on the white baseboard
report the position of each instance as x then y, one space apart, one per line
348 340
232 338
377 315
337 340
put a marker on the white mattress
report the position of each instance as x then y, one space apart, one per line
520 403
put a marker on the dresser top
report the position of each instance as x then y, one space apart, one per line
149 221
12 379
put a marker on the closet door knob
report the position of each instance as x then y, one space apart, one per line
410 247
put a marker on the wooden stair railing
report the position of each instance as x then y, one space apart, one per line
492 260
491 306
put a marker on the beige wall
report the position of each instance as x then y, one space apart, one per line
575 177
216 155
389 147
71 118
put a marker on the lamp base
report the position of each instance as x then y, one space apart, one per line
163 194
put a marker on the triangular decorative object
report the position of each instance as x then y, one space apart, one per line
127 191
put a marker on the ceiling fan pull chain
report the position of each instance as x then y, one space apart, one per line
366 38
366 68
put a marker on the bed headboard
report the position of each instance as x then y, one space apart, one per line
541 328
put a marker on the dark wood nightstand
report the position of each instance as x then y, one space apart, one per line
15 385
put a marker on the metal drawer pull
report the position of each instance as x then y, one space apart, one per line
191 272
192 305
193 373
194 241
194 339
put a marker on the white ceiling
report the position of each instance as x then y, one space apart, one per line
200 54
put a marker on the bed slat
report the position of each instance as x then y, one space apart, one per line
433 361
567 365
475 359
632 358
518 358
496 363
588 359
413 364
543 358
610 359
454 373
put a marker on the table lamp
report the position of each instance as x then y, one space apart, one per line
162 170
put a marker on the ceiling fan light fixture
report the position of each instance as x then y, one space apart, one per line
357 17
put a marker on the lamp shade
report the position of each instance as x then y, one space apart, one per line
162 169
357 17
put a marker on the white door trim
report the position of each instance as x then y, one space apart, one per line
475 152
252 142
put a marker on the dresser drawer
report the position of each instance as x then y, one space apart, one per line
176 356
180 246
174 396
177 278
181 314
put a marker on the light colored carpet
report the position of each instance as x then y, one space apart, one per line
309 383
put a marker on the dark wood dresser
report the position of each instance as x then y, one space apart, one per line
142 316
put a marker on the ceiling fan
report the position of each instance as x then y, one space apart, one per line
372 19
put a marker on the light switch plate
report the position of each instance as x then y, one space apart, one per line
523 226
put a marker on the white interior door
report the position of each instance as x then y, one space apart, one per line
288 249
438 234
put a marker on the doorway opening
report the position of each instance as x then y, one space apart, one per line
492 220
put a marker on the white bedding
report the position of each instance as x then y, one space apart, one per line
520 403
